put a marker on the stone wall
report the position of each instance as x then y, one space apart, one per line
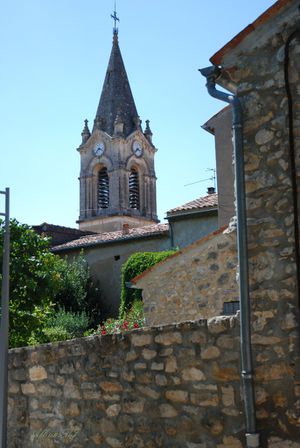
192 284
162 387
254 67
172 387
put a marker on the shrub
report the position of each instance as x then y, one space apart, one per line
72 294
135 265
61 326
80 293
134 318
74 324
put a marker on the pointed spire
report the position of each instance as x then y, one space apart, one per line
116 97
85 134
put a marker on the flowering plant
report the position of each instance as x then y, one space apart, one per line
134 318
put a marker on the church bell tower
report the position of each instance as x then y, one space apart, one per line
117 177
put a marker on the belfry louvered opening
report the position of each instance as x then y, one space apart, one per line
134 191
103 188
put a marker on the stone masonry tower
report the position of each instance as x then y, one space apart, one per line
117 177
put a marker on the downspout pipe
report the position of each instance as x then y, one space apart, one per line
211 74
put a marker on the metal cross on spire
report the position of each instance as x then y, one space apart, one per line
116 19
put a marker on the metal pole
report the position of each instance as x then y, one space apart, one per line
4 326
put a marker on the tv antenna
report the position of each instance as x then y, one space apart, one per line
213 178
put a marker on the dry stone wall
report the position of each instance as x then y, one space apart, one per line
176 386
193 283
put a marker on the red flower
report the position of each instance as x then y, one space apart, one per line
136 325
125 325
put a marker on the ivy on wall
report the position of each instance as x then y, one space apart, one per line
135 265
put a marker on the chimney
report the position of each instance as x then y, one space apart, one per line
211 190
125 229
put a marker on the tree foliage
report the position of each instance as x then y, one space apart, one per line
135 265
79 292
40 284
34 281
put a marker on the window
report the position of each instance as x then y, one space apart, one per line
231 308
103 189
134 193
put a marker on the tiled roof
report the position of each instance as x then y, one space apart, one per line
206 202
45 227
113 237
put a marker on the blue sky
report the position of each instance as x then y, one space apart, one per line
54 54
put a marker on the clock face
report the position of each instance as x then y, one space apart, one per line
99 149
137 149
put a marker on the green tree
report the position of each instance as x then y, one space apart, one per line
73 291
79 292
44 286
34 282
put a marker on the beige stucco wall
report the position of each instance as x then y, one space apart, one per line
192 284
221 125
105 262
186 229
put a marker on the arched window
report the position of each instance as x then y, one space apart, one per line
103 188
134 191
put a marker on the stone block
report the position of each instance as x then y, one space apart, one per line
193 374
180 396
167 411
134 407
210 353
113 410
28 388
37 373
148 392
168 338
111 387
140 340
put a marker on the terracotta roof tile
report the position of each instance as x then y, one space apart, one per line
205 202
112 237
46 227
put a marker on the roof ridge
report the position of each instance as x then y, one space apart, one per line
208 201
109 237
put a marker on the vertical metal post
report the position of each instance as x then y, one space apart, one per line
4 325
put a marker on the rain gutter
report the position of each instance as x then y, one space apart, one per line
211 74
